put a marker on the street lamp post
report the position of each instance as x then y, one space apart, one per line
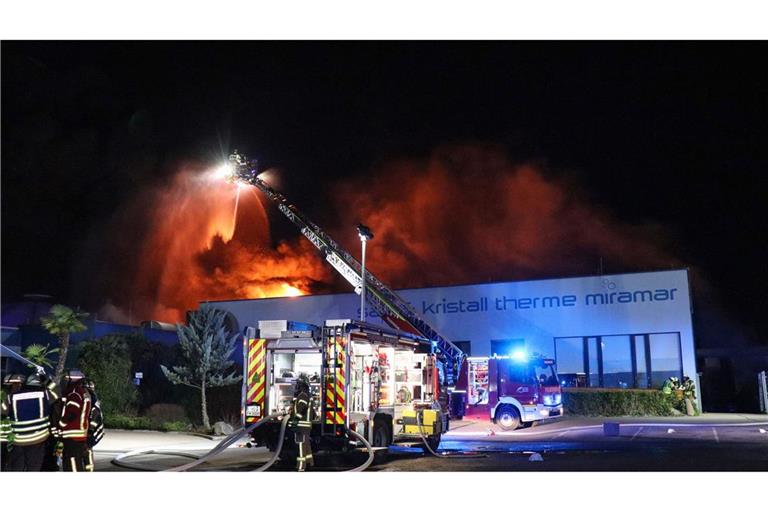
365 234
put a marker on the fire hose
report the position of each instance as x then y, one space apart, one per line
445 455
368 446
225 443
220 447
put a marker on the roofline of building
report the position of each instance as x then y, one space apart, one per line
686 269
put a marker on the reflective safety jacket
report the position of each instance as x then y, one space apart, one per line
5 422
302 413
30 408
75 416
96 429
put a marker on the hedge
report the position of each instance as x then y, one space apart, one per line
619 402
125 422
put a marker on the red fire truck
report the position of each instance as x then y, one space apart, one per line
363 377
512 391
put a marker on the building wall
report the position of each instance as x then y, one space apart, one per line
613 311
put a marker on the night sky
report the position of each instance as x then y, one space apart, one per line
674 134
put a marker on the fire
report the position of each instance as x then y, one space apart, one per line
465 214
291 291
207 239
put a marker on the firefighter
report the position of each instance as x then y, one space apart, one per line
74 423
29 409
302 422
11 384
96 428
53 445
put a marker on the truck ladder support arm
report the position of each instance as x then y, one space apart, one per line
382 299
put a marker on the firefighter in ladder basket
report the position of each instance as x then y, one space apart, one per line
302 422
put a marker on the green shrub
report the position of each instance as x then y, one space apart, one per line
618 402
125 422
107 362
163 413
175 426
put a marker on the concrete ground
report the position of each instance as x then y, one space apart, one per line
711 442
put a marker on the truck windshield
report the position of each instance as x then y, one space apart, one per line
546 374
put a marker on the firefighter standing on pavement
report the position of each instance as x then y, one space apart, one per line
11 384
96 425
50 462
74 424
29 410
302 419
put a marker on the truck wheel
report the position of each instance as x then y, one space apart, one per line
507 417
381 437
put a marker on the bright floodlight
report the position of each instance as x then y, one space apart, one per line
224 171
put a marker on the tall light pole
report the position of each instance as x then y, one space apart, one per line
365 234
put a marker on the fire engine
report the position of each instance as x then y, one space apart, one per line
363 377
512 391
388 383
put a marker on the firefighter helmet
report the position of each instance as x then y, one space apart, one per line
13 378
302 383
73 375
35 380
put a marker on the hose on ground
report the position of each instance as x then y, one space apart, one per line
368 462
220 447
445 455
279 447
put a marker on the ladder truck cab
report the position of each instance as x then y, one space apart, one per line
380 382
509 390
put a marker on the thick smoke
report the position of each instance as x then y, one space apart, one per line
465 214
204 239
468 214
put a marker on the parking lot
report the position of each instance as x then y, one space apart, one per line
705 443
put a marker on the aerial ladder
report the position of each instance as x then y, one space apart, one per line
392 308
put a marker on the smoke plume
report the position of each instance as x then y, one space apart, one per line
464 214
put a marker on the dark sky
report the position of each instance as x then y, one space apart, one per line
667 133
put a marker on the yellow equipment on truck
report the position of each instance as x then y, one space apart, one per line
379 382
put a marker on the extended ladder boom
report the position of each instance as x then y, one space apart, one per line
384 301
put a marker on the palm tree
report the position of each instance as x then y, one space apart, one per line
38 354
61 321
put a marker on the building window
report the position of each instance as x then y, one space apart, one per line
666 358
619 361
569 357
641 361
594 362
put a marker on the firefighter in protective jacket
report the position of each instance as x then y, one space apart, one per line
302 422
74 425
11 384
29 409
96 425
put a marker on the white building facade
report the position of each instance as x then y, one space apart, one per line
609 331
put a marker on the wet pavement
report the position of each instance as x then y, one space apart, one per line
706 443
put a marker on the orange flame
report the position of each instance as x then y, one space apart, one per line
210 240
466 214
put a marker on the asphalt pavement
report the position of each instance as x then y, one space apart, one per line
710 442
